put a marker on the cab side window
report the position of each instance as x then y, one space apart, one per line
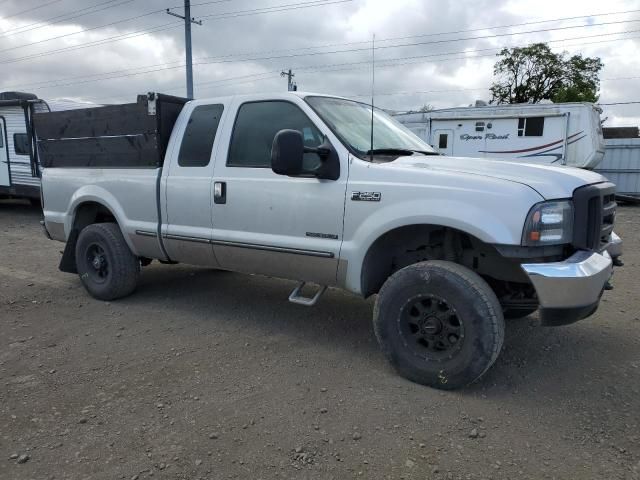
197 142
256 126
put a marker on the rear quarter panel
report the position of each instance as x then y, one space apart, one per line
130 194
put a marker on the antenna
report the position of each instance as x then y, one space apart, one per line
373 82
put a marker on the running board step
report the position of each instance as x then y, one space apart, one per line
297 297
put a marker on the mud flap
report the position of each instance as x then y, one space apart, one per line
68 261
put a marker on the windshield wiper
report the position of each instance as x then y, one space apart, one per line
397 151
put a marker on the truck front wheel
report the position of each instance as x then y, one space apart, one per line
107 267
439 324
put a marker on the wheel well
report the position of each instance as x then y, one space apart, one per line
411 244
92 212
86 214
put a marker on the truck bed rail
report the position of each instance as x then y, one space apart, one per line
132 135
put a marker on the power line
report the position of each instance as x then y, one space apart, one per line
339 51
485 28
134 34
220 59
361 42
166 26
464 53
117 22
62 18
365 63
212 83
32 9
84 30
225 59
330 68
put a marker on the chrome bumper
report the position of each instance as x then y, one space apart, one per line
570 290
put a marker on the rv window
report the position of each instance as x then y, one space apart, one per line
21 143
197 143
479 126
442 141
531 127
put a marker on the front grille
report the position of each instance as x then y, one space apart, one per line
595 212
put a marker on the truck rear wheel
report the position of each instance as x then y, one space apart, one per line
107 267
439 324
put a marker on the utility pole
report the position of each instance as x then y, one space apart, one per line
188 20
291 86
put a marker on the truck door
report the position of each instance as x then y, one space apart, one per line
187 217
5 179
443 141
289 227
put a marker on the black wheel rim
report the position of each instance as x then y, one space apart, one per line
431 328
97 263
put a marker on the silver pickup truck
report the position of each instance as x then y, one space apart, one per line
322 190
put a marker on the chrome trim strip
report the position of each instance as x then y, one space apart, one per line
144 233
269 248
252 246
185 238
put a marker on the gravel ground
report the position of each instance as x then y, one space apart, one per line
206 374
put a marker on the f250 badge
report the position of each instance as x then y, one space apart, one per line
366 196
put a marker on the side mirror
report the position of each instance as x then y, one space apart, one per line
287 153
287 156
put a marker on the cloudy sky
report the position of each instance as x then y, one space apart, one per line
427 51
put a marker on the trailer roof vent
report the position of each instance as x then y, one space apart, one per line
17 96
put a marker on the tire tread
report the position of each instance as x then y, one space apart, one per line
125 267
456 273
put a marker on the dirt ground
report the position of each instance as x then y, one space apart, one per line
205 374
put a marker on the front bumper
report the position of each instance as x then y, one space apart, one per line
570 290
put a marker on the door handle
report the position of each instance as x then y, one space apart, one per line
220 192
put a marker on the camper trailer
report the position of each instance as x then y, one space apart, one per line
19 169
559 134
19 164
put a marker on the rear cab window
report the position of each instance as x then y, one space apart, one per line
199 136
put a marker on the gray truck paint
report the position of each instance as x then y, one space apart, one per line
264 226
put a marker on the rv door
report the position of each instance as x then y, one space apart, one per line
443 141
5 179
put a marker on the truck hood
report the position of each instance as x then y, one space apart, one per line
549 181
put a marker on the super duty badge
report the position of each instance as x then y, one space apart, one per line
366 196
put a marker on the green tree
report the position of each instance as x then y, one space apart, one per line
534 73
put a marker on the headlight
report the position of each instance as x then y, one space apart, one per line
549 223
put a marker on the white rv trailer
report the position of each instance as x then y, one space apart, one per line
19 169
553 133
19 165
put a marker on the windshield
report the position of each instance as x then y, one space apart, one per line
351 122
